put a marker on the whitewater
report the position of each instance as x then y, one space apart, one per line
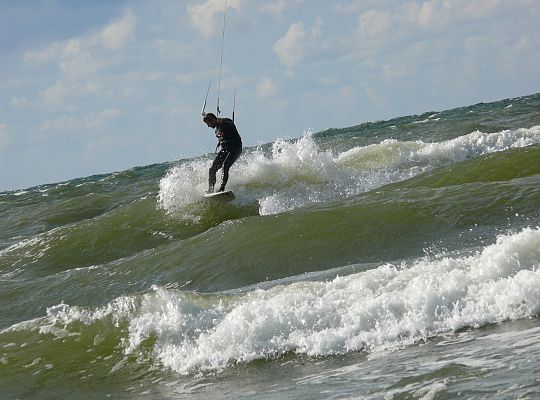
394 259
296 174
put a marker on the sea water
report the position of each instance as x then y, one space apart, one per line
390 260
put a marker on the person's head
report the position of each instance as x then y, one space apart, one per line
210 120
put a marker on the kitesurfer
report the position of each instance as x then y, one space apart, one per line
230 148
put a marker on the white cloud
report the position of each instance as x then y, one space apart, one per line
356 6
66 124
44 55
80 57
75 57
439 13
119 32
55 94
298 41
277 7
203 16
387 33
60 92
77 61
266 88
89 80
387 23
374 23
167 48
466 10
290 48
5 137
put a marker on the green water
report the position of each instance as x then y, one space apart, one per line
371 261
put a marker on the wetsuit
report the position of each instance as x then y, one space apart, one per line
230 145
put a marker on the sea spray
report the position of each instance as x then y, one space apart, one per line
390 259
385 308
298 173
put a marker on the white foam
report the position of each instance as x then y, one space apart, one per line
295 174
394 154
30 250
184 184
477 143
378 310
299 173
382 309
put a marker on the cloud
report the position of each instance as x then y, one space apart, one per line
77 60
363 55
203 16
388 36
386 23
279 6
290 48
66 124
44 55
266 88
434 13
374 23
55 94
119 32
80 57
60 92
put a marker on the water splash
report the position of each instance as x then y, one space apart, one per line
299 173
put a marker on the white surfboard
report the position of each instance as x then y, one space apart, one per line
220 196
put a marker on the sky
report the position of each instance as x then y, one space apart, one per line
89 87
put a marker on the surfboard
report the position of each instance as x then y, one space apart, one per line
220 196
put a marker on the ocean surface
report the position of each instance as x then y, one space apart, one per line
395 259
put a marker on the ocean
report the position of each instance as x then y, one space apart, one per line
395 259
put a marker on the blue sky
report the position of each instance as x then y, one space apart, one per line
99 86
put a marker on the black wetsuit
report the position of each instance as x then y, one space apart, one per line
230 145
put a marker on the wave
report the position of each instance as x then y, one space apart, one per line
382 309
132 228
297 174
457 204
122 231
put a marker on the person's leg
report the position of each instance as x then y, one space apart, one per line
217 164
232 156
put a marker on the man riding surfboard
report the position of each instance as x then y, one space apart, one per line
230 145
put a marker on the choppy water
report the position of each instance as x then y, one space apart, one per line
391 260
